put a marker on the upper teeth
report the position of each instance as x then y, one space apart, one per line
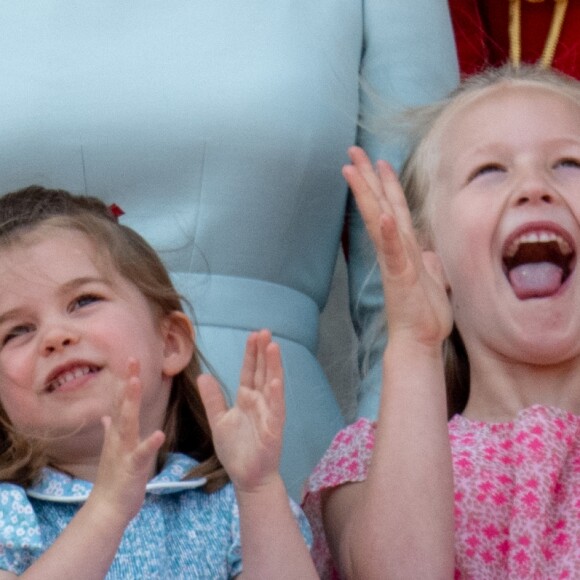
69 376
541 236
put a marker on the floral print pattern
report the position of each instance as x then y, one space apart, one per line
517 493
181 531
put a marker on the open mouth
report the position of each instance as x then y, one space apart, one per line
538 262
71 374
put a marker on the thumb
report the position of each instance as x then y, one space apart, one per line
212 398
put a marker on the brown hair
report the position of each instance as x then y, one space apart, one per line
425 126
186 425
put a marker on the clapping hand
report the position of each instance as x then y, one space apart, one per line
248 436
416 296
127 461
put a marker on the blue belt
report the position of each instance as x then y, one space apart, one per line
248 304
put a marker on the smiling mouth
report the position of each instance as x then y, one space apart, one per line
538 263
70 375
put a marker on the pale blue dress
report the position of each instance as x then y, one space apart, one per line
220 128
181 532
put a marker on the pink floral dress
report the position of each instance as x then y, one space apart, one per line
517 493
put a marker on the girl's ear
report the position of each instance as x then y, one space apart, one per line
179 342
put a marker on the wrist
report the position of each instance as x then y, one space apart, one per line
106 514
403 347
270 486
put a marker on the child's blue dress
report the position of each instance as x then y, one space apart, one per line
181 532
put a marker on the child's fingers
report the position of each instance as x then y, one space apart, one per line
249 363
361 161
146 451
212 398
358 157
365 198
132 371
264 339
274 398
394 252
375 186
126 420
396 196
273 391
274 368
106 422
371 204
400 244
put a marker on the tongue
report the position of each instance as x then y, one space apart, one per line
535 279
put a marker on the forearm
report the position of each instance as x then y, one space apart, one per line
402 526
272 544
85 549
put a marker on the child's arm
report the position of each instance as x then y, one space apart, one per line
87 546
399 522
248 442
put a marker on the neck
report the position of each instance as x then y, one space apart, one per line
499 389
86 461
84 468
87 467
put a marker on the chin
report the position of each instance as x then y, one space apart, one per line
549 352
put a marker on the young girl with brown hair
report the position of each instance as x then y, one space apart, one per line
110 466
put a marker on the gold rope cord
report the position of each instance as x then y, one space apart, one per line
515 32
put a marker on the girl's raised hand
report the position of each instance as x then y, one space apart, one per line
127 461
88 545
248 436
415 294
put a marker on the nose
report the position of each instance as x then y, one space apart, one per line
535 196
534 188
57 339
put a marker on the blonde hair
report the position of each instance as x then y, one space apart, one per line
186 426
425 126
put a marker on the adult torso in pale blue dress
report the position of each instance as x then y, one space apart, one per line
220 128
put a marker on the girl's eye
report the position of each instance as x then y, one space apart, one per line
569 162
485 169
84 300
16 332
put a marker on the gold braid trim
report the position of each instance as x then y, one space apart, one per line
515 30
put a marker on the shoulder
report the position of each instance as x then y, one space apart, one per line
20 538
15 508
347 459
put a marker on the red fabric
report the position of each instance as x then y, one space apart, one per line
482 37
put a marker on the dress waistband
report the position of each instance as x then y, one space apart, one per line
250 304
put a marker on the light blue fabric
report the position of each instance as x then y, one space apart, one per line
180 532
220 128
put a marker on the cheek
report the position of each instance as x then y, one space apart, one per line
17 403
447 244
461 261
462 235
16 383
17 367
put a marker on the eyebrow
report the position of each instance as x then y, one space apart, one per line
13 313
561 141
64 289
78 282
